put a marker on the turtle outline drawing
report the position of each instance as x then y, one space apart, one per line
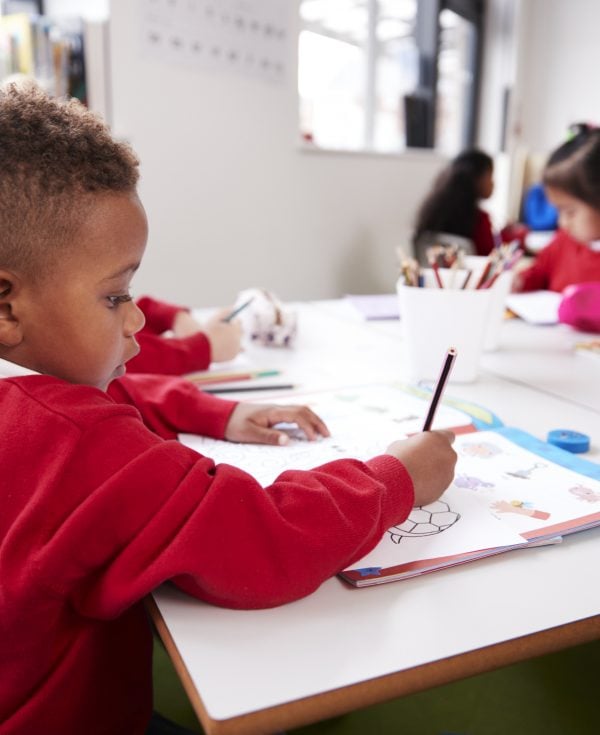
425 520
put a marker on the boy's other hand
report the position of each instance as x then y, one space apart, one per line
254 424
430 460
225 337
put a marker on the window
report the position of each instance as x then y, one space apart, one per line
383 75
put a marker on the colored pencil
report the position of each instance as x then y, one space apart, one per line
467 279
236 311
484 275
242 389
439 388
436 273
216 377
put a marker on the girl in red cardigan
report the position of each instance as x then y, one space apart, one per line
452 206
571 262
100 504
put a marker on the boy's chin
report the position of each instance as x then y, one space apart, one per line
120 371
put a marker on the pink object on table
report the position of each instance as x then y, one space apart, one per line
580 307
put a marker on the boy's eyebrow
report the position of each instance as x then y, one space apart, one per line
132 267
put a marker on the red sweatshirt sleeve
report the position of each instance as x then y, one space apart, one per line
152 511
160 315
537 276
483 237
170 406
171 355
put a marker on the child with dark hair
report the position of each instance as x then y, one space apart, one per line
99 504
572 260
452 205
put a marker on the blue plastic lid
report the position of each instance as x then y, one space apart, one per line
572 441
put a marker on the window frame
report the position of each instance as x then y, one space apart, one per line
427 37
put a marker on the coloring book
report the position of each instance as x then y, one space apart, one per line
510 490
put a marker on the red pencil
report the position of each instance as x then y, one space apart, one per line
484 275
490 282
436 272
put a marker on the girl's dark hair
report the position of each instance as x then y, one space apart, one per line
574 167
451 206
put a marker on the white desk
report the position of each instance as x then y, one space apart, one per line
342 648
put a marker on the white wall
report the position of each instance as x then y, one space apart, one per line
559 68
232 200
547 53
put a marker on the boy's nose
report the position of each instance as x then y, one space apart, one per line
135 319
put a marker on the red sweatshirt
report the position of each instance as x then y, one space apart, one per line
97 511
563 262
483 237
167 355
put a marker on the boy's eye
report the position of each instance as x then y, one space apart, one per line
114 301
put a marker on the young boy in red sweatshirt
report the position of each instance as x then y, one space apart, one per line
100 504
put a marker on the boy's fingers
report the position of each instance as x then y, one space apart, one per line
262 435
448 434
313 427
307 420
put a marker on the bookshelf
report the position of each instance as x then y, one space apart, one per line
47 49
67 55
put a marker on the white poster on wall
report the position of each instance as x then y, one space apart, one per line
240 36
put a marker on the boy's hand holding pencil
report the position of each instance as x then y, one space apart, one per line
429 460
429 457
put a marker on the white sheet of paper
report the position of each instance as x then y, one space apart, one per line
363 421
535 307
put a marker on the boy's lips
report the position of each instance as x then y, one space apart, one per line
134 352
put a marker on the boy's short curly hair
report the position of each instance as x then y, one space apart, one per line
56 157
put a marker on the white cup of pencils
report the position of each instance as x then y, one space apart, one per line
499 281
435 311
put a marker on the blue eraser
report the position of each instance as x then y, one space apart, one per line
572 441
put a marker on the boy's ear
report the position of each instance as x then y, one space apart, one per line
10 327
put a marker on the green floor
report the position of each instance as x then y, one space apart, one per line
552 695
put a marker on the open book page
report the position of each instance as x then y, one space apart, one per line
363 421
375 306
507 478
537 488
456 528
509 490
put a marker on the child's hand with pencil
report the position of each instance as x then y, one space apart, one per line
224 334
430 460
428 457
255 424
